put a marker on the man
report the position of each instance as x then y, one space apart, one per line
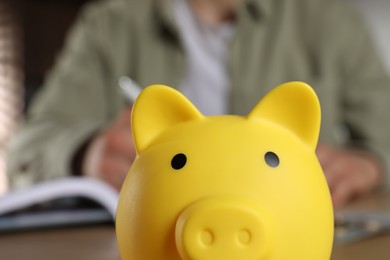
224 55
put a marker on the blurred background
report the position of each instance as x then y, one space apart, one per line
11 79
32 32
377 15
43 25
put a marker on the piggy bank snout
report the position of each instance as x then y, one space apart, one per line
230 228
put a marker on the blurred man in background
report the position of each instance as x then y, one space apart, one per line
224 55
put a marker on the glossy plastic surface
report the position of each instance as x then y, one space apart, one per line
226 187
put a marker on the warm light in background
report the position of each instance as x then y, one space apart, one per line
10 83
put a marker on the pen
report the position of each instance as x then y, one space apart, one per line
129 88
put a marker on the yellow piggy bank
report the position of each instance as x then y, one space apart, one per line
225 187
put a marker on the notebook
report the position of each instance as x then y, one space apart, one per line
59 203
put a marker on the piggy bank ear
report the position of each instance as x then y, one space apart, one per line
295 106
156 109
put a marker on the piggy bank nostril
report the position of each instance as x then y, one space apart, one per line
207 237
244 237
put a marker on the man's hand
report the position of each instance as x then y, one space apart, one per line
111 153
349 173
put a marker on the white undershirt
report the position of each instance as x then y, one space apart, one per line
206 80
376 13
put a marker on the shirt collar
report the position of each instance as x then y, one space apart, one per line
256 9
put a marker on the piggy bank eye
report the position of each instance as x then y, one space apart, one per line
271 159
178 161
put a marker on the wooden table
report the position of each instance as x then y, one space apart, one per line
375 248
99 242
84 243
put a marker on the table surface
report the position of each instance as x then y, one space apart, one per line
99 242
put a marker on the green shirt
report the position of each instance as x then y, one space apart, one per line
321 42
